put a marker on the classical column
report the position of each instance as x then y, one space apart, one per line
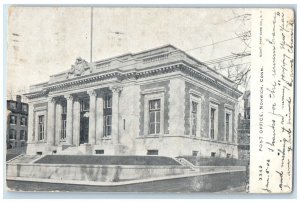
51 122
115 114
31 123
58 112
99 119
76 122
92 117
69 127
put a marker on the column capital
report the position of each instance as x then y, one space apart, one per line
69 97
51 99
116 89
92 93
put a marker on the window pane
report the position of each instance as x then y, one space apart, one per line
152 117
108 120
151 104
109 104
227 126
109 130
11 134
154 104
64 109
194 130
12 105
212 123
194 107
157 116
22 135
86 105
24 107
107 101
152 128
41 119
157 128
12 120
158 104
212 114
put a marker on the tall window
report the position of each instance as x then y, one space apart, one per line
212 123
41 129
108 101
85 105
63 126
13 119
24 107
23 135
12 134
154 114
13 105
107 125
194 118
23 121
227 118
107 111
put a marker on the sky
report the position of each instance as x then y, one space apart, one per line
43 41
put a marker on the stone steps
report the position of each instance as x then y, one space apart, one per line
25 158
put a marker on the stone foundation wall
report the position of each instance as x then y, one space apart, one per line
184 146
91 172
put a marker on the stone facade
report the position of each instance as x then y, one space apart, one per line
157 102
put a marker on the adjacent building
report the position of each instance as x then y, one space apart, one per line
17 113
157 102
244 129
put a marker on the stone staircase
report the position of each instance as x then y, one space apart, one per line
186 163
22 158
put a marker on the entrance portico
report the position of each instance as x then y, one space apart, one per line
82 118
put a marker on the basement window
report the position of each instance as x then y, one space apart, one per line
195 153
152 152
99 151
228 155
39 153
213 154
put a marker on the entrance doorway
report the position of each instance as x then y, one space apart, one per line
84 121
84 128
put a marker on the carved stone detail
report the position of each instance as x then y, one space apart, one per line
81 67
92 93
51 99
116 89
69 97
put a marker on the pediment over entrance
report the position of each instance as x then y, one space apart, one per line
81 67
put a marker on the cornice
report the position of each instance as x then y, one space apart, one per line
133 74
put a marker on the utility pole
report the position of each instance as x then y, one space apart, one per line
91 45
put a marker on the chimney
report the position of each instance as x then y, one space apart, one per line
18 97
